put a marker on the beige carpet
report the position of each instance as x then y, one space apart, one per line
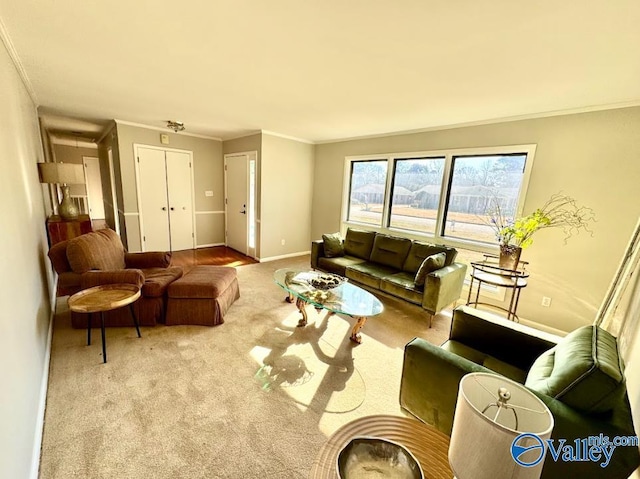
255 397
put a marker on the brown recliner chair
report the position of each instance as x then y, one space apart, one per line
99 258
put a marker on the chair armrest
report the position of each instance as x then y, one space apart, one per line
317 251
429 384
98 278
506 340
443 287
151 259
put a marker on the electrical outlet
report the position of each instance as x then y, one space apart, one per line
282 242
546 301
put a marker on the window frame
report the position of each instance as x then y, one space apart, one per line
445 188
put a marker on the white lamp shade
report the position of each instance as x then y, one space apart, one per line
481 443
61 173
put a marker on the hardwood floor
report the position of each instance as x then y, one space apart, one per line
217 255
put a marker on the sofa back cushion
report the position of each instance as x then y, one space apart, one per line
101 250
584 370
420 251
390 250
359 243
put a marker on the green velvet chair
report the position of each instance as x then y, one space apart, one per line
579 377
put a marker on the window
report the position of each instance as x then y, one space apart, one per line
367 190
444 195
415 196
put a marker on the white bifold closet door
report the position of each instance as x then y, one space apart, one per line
165 201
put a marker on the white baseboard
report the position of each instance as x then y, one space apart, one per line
283 256
44 386
209 245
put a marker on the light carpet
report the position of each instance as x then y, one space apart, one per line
255 397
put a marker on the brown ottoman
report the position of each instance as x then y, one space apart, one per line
202 296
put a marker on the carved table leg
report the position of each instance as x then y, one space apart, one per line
289 299
355 336
301 304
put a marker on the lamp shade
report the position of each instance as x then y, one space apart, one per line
491 412
61 173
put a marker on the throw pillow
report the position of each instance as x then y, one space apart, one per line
333 245
430 264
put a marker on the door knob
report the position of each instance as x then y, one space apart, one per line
164 208
172 208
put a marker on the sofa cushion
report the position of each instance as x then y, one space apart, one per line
584 370
369 274
390 250
359 243
58 256
402 286
203 281
338 264
420 251
429 265
101 250
333 245
157 280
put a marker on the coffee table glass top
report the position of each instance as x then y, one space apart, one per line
344 299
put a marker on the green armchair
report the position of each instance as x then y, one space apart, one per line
578 377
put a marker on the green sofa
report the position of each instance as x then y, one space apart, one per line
579 377
390 264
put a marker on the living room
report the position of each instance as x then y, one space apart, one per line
585 132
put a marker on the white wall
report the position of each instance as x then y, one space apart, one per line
591 156
286 193
26 281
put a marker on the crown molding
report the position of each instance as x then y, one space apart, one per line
529 116
288 137
13 54
165 130
244 135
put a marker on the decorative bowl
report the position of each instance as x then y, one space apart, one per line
325 282
372 457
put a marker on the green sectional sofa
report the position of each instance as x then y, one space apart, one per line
391 264
579 377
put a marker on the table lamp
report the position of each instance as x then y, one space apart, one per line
63 174
491 412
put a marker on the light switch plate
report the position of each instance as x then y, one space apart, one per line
164 139
208 193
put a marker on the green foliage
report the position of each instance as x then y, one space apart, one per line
560 211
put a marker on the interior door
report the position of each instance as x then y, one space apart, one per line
93 183
153 203
180 200
236 196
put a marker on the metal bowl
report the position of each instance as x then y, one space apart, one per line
372 457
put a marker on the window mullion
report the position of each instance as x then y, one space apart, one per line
386 208
444 195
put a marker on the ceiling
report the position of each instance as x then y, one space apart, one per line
323 70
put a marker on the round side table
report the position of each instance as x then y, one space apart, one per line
104 298
427 444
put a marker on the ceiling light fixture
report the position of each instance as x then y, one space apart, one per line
175 125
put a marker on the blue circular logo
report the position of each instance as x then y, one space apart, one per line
519 449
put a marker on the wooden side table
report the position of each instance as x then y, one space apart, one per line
61 230
104 298
428 445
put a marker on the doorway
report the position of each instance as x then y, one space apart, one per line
240 202
93 182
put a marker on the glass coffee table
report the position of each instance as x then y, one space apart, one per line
345 298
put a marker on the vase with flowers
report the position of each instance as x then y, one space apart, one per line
515 234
